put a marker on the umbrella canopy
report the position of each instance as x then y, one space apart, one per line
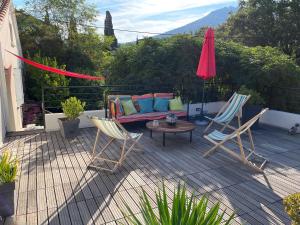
207 63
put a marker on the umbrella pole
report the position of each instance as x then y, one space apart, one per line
202 105
202 121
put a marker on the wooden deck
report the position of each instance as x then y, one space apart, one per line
55 186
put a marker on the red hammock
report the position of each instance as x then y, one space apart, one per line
58 71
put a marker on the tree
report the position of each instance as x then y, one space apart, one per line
84 51
36 79
172 62
109 30
38 36
273 23
68 15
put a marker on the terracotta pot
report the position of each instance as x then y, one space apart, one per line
7 199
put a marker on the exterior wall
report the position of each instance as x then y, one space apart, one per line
11 81
51 123
280 119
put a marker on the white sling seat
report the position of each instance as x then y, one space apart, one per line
228 111
115 131
218 139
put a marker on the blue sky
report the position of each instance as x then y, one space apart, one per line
151 15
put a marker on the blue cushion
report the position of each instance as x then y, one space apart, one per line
161 104
146 105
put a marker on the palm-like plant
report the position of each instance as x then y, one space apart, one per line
8 168
185 210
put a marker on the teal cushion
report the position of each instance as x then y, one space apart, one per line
145 105
128 107
161 104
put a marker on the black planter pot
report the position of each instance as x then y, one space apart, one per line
69 128
249 111
7 199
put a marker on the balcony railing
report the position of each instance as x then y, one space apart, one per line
278 98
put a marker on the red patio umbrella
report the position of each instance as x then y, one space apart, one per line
207 63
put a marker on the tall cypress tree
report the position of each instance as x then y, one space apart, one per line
109 30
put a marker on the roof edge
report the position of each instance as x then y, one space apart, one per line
3 9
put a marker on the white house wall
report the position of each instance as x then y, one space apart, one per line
11 93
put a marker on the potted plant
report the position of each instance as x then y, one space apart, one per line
8 173
184 209
69 125
253 106
292 207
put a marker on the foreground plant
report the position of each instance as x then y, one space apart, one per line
292 207
8 168
184 210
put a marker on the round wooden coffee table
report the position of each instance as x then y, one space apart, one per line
163 127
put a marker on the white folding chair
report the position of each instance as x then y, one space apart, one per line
228 111
116 132
218 139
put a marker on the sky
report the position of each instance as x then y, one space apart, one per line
156 16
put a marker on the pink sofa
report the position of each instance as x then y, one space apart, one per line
116 112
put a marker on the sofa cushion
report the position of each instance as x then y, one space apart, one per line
164 95
176 104
145 105
149 116
118 107
136 97
118 111
161 104
128 107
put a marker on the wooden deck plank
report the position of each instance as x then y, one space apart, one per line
74 214
42 217
56 187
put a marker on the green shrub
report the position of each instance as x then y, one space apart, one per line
292 207
255 98
72 107
184 210
36 79
8 168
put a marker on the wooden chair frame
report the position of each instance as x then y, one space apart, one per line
226 125
128 145
237 134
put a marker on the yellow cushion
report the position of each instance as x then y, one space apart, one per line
175 104
128 107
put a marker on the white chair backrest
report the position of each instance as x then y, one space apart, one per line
237 101
109 127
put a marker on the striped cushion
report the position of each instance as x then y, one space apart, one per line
110 128
217 135
136 97
232 109
119 111
164 95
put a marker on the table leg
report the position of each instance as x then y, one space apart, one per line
191 136
164 139
150 133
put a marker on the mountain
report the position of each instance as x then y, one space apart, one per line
213 19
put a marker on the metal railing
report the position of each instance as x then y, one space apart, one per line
278 98
94 96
